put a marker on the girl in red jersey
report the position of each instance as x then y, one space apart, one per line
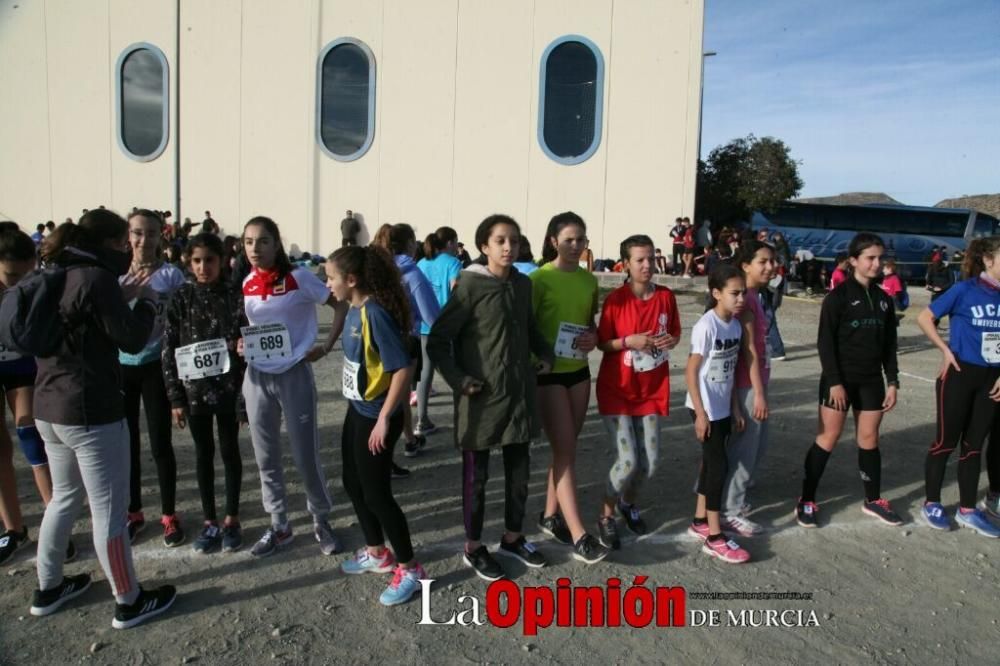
639 326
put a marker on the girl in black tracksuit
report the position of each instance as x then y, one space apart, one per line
209 312
857 344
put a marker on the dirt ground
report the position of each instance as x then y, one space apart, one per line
879 594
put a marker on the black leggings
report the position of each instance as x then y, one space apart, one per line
229 448
993 455
714 463
368 482
965 416
475 474
146 382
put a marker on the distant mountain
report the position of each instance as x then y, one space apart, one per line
853 199
987 203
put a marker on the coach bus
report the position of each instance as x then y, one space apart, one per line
910 232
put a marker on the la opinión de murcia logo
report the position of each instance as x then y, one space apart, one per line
638 605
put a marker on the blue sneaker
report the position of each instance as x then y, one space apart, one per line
365 562
978 521
935 516
210 539
405 583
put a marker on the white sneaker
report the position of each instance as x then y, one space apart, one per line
742 526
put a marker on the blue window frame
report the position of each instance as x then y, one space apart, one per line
570 99
345 99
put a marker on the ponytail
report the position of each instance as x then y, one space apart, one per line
377 275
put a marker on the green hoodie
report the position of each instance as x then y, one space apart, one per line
487 332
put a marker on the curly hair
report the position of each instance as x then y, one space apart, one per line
377 275
974 263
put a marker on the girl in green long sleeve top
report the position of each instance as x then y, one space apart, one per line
482 342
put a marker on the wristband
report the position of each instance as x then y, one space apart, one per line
624 345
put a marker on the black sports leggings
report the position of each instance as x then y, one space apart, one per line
229 448
145 382
475 474
965 416
368 482
714 463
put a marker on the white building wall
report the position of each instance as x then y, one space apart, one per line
455 124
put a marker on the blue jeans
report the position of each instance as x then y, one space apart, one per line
774 341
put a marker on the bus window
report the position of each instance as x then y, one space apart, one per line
984 226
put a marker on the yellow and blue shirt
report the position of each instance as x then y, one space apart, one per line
373 340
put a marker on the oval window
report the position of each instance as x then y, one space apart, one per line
570 99
346 99
142 87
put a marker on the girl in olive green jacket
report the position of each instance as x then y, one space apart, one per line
482 343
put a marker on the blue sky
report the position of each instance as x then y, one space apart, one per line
897 96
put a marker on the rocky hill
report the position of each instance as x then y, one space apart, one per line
987 203
852 199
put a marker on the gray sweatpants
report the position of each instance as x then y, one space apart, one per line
293 393
91 462
637 457
745 451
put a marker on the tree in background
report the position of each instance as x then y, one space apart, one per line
745 175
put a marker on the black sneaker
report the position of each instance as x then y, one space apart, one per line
483 564
523 550
555 527
806 513
49 601
173 533
881 509
399 472
136 521
232 538
147 605
588 549
412 449
10 541
70 551
632 518
607 533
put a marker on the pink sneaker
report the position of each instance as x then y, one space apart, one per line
413 398
726 550
698 530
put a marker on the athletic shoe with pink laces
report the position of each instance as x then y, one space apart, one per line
698 530
806 513
726 550
405 583
880 509
742 526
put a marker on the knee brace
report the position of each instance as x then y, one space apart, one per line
32 445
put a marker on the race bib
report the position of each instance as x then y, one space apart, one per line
722 366
646 361
8 354
991 347
266 341
566 346
202 359
349 381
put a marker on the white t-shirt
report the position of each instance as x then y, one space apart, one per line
718 343
292 302
165 281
